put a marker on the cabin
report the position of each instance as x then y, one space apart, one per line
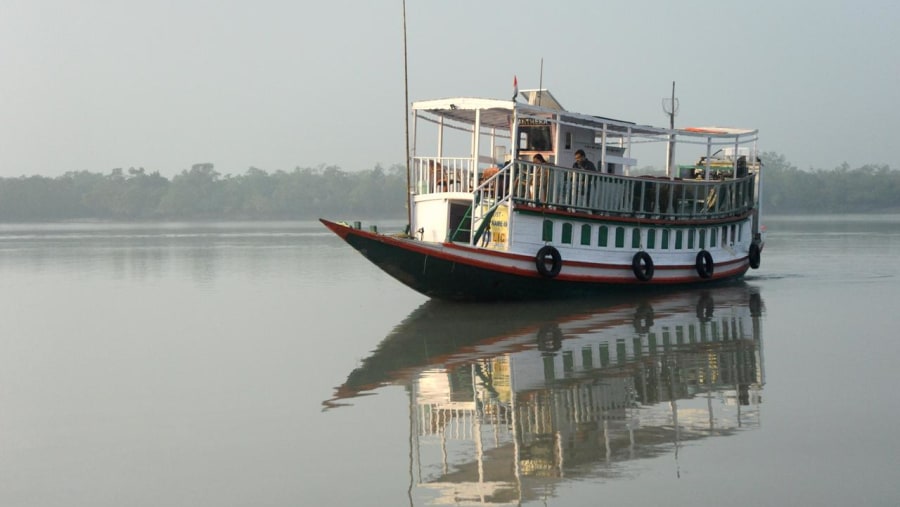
473 176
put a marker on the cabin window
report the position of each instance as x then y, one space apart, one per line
665 239
585 234
741 231
620 237
568 140
547 234
702 239
603 236
651 238
635 238
733 229
690 235
535 135
725 235
712 237
567 233
679 236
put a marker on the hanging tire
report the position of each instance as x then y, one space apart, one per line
642 265
754 255
547 254
704 264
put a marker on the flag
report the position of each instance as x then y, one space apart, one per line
515 88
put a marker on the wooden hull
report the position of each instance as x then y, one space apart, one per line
461 273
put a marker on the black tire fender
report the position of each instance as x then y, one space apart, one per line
704 264
546 254
642 265
754 255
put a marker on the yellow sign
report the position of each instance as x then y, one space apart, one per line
496 234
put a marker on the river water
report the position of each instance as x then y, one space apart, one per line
270 364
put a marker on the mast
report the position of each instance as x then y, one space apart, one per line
406 118
670 107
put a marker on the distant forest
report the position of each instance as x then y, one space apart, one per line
201 193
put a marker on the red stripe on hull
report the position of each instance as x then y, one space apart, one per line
441 251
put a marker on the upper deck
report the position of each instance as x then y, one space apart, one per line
482 150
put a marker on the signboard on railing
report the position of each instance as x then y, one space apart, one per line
498 231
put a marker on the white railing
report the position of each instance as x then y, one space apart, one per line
599 193
444 174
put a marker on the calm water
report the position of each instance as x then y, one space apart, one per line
269 364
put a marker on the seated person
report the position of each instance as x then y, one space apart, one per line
582 162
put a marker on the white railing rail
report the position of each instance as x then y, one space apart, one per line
443 174
600 193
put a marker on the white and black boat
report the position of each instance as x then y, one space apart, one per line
499 208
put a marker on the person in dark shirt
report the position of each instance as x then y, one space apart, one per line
582 162
585 183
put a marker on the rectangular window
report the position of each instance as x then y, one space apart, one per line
585 234
690 235
620 237
547 233
567 234
635 238
651 238
665 239
679 235
702 239
603 236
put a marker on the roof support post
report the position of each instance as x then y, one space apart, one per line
708 155
602 167
440 139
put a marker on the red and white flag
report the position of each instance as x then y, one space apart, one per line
515 87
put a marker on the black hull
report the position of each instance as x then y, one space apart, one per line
452 280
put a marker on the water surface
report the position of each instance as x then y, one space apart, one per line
269 364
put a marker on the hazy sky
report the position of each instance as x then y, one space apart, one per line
94 85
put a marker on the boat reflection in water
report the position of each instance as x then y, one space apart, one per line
507 400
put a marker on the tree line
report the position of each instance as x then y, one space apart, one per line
201 193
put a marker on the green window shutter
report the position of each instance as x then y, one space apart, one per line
585 234
679 236
635 238
665 239
651 238
548 231
567 234
603 236
620 237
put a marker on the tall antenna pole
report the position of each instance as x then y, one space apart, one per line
406 116
541 83
670 107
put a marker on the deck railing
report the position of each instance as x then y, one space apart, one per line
600 193
444 174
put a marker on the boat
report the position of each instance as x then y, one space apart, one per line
499 209
505 402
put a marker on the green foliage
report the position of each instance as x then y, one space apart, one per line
868 189
201 193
